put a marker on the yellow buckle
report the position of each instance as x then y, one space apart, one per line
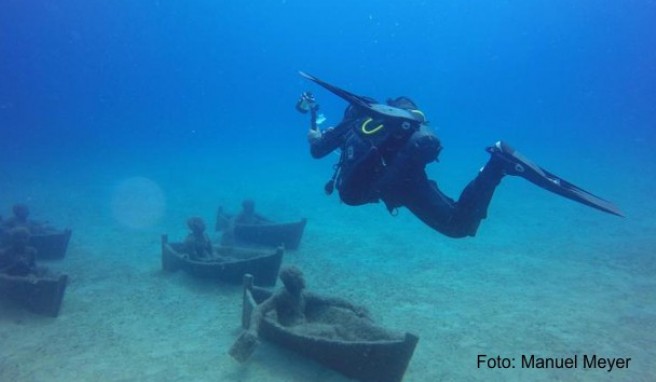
372 131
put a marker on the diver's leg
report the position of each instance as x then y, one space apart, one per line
425 200
454 219
474 200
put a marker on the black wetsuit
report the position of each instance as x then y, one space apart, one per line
388 164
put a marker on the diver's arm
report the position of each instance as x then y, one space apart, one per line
322 144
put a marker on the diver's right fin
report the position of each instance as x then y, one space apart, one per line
376 108
519 165
345 95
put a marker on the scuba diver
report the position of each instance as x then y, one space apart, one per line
385 149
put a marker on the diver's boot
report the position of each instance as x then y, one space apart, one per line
513 163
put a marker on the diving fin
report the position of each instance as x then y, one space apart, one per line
519 165
376 108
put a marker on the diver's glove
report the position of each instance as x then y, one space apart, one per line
314 135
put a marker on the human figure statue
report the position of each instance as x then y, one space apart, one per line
198 244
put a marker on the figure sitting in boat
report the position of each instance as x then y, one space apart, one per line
200 257
248 214
226 222
18 258
197 244
20 218
50 243
329 330
249 228
21 280
290 305
290 302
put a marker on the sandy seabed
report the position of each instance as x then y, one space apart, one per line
574 283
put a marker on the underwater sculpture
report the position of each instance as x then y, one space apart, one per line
20 218
248 228
219 262
49 242
22 281
18 258
329 330
197 244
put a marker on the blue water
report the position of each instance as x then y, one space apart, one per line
199 98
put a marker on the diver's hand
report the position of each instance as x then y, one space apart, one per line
314 135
